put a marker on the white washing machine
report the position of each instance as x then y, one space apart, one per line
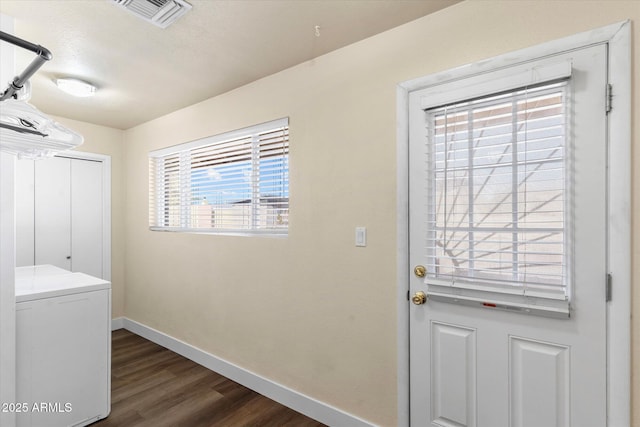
63 347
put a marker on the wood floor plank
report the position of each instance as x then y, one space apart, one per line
152 386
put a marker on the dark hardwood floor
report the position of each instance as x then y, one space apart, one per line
154 387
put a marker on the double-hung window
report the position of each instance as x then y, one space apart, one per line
498 207
236 182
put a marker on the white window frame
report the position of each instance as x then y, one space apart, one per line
618 39
183 152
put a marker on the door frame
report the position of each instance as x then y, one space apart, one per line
618 38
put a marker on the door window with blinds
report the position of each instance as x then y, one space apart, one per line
498 213
236 182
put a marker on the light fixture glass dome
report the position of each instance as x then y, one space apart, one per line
76 87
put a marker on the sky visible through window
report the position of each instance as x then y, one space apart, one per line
231 183
236 181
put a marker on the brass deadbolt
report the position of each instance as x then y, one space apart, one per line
420 270
419 298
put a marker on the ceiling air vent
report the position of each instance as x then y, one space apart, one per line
161 13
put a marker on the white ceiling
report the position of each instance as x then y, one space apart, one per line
144 72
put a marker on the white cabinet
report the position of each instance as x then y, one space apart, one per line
60 204
63 349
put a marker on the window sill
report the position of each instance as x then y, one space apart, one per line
237 233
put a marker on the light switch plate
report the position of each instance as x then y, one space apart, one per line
361 236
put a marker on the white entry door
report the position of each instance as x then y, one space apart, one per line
507 230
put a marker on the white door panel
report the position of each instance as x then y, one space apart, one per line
86 217
52 219
453 364
539 378
25 206
480 365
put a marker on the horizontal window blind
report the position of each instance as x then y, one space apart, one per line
235 182
498 193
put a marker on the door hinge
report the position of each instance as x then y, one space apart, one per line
609 99
608 288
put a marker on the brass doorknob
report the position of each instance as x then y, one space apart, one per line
420 270
419 298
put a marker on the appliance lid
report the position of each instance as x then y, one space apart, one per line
47 281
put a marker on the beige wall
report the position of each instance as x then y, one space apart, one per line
312 311
105 140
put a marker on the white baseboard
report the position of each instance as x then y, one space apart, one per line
117 323
299 402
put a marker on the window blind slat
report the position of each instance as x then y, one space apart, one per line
497 204
226 185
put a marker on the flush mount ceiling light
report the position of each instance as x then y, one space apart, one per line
76 87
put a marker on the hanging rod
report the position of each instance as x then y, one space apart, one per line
18 82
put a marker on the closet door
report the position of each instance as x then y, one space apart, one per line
52 212
60 214
86 217
25 206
